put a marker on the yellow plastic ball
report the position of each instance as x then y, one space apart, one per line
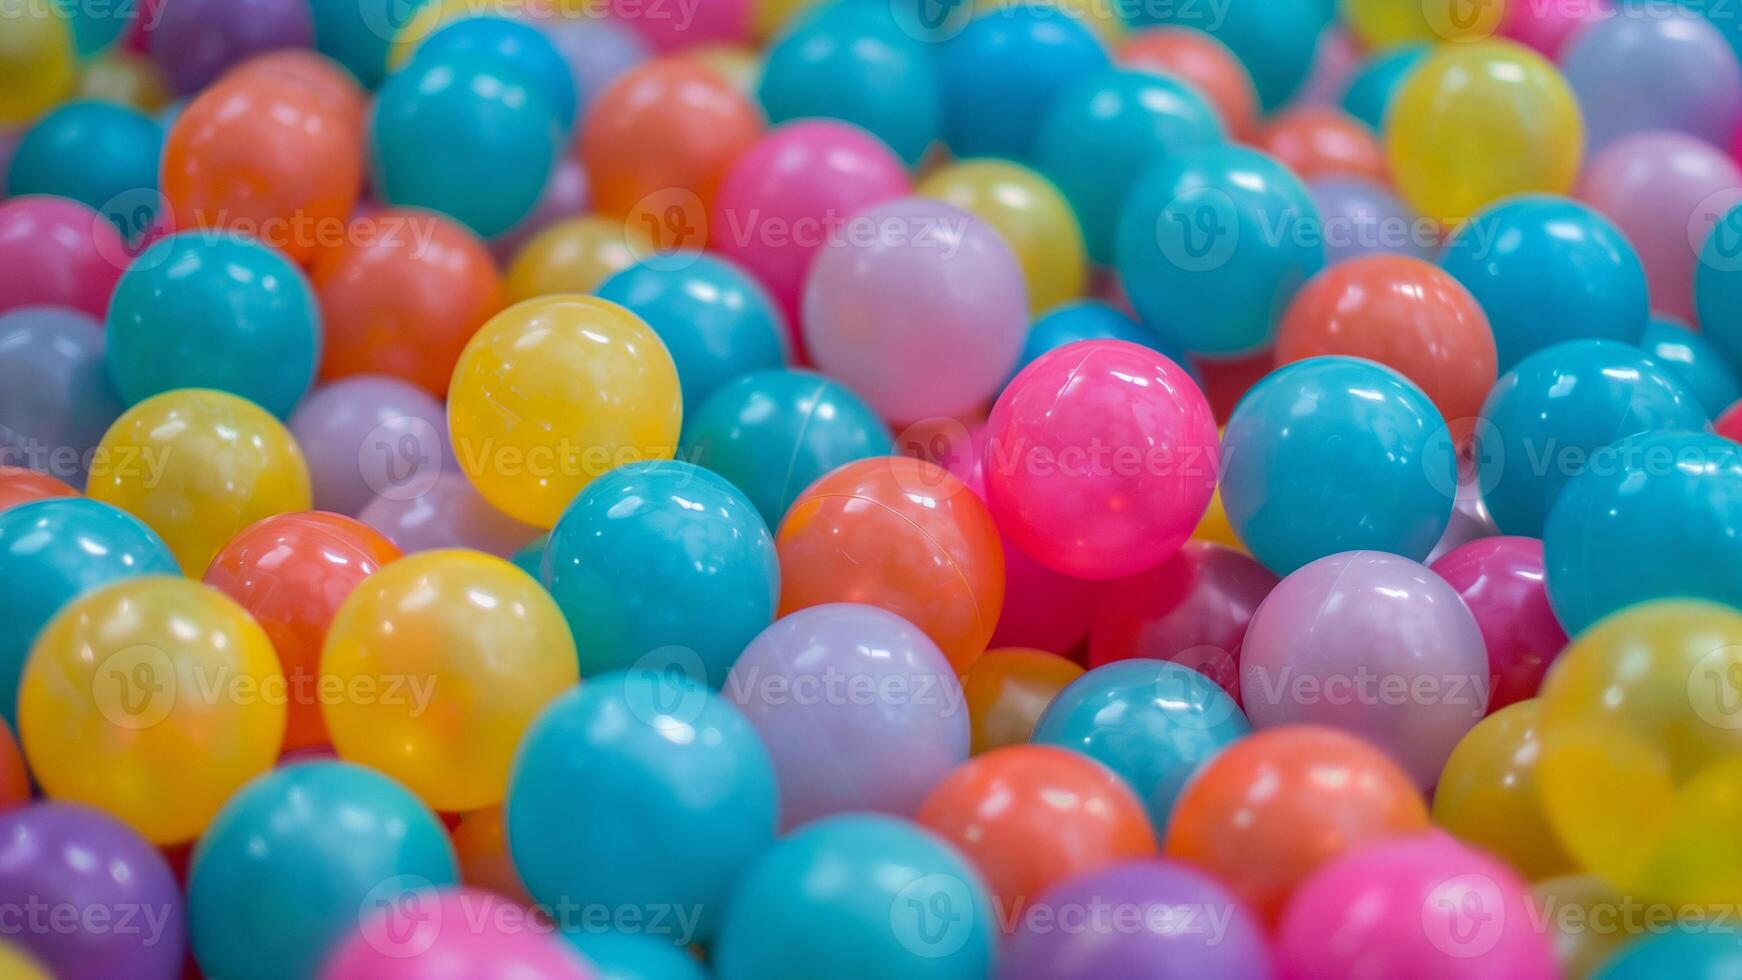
1641 769
36 59
1215 527
1385 23
198 466
1030 214
1487 794
1008 689
574 256
769 17
16 964
153 699
1478 122
552 392
124 77
434 667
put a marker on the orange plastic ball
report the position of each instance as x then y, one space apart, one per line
325 76
1322 142
20 486
657 143
402 296
14 776
1406 314
266 156
1278 805
904 535
1008 689
1030 816
481 843
1202 62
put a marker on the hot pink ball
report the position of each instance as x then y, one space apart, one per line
58 252
1423 906
672 26
1665 191
446 935
793 190
1546 24
1502 581
1101 459
919 307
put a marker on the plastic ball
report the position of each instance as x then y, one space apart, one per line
553 392
513 44
855 63
424 939
598 52
1383 23
1579 900
291 573
37 63
565 196
1007 690
1202 62
1478 122
662 560
410 28
131 681
657 143
370 435
460 650
1551 416
56 399
836 750
198 310
1155 724
329 79
1088 319
196 41
21 486
314 846
14 774
1502 580
1192 609
357 35
1548 26
1695 360
198 466
574 255
1547 269
1029 213
634 956
1085 426
60 858
1659 70
629 759
924 315
1306 449
1031 816
402 295
1645 519
715 320
125 77
1369 92
1002 73
447 512
1105 131
92 152
1175 939
903 535
57 252
1212 244
1666 192
1676 952
795 192
1319 141
1488 794
1275 40
1418 906
1360 217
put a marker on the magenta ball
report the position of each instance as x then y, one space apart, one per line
918 306
1658 69
859 709
1374 644
1546 25
1665 191
368 436
1043 609
674 26
1418 906
1503 582
58 252
454 933
1101 458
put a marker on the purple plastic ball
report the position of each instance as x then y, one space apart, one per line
56 400
1361 217
1645 69
370 436
195 41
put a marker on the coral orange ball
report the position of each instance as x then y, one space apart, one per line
20 486
1204 63
324 76
1323 142
14 776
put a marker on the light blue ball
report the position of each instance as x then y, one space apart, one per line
662 556
97 26
1088 319
1153 722
1212 246
858 897
1335 454
1002 74
292 861
632 956
52 552
715 319
514 45
357 33
1548 269
853 62
1371 88
641 790
1654 516
101 154
1676 954
1546 417
1693 359
530 559
1276 40
205 310
1104 132
1718 288
465 136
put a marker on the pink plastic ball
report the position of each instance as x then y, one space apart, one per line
58 252
462 932
1374 644
1665 191
1101 459
1546 24
920 307
792 191
1423 906
1502 581
1334 61
668 27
